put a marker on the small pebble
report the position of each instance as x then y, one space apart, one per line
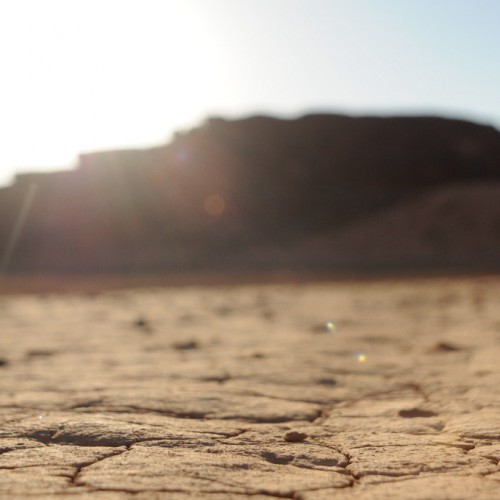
143 324
445 347
258 355
416 412
186 346
295 437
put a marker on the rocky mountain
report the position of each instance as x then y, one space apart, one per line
322 191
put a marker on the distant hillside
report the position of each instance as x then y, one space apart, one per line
451 227
374 192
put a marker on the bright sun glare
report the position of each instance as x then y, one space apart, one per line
84 75
81 75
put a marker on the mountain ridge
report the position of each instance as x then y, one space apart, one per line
228 186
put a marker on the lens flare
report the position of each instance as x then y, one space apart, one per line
361 357
330 326
214 205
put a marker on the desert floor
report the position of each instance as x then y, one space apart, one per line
245 391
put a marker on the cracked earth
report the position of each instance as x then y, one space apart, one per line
239 392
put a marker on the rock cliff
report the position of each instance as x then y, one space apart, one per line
333 190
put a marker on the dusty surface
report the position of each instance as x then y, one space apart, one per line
240 392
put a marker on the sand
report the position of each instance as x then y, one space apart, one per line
243 391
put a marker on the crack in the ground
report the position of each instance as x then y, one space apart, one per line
74 479
419 390
295 495
273 420
88 404
465 447
395 479
484 474
209 416
208 433
291 400
195 415
219 379
43 436
357 477
345 466
256 491
232 488
314 418
276 494
130 491
493 460
211 479
354 477
323 415
233 435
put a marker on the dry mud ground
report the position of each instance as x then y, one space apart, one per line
239 392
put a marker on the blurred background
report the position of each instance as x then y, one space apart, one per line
189 135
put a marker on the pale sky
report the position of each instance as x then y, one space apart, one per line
84 75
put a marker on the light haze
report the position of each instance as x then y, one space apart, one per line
99 74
